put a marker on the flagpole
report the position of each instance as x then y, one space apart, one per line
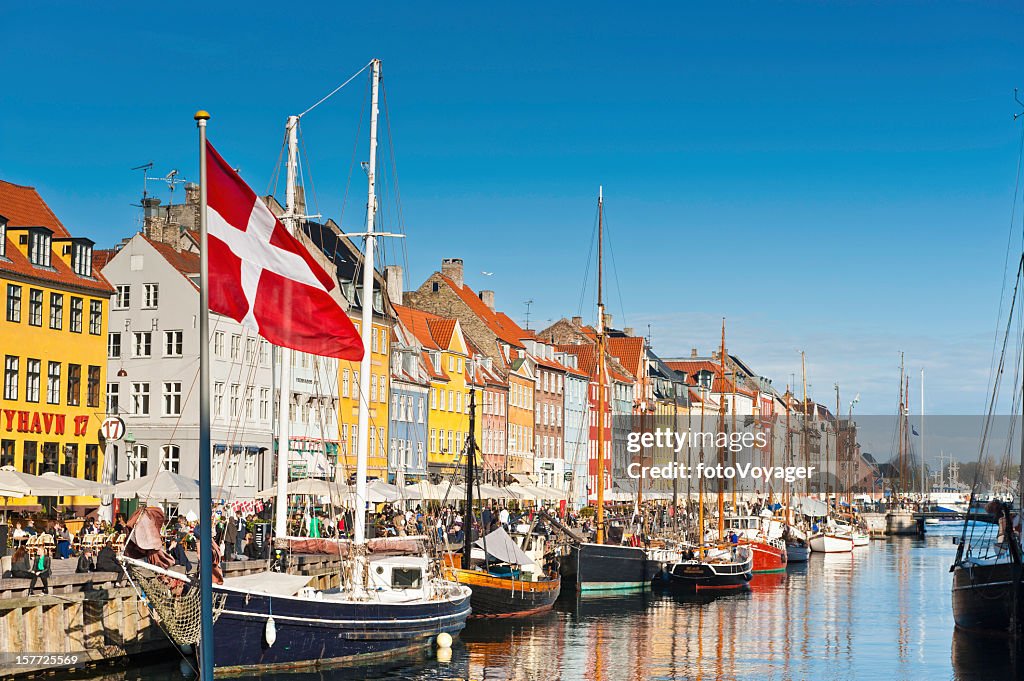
205 495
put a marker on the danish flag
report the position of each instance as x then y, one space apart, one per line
264 278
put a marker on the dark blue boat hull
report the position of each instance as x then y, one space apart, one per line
314 633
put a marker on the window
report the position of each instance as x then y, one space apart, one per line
172 398
143 343
218 400
138 461
95 317
32 369
375 344
113 398
264 353
13 303
433 440
236 346
250 350
10 377
344 383
53 383
29 458
373 388
123 299
56 310
75 323
173 343
419 404
81 259
234 400
170 458
6 452
150 296
114 345
249 471
3 237
218 343
433 398
250 402
264 404
51 454
35 307
92 387
140 399
70 467
444 400
39 247
92 462
74 385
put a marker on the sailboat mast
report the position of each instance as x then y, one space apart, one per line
721 439
803 438
467 548
902 427
924 490
600 366
285 354
835 475
366 328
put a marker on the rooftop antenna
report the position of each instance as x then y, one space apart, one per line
528 304
171 179
1017 99
145 168
650 337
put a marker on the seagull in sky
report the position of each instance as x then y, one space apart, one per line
487 274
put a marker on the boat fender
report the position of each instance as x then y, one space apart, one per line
444 640
270 632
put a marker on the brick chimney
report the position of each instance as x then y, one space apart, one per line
393 278
452 268
488 299
693 352
577 321
629 331
608 320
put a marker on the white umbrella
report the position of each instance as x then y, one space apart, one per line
314 487
160 486
78 487
25 484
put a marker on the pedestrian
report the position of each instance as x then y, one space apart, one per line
34 568
230 534
106 560
178 554
63 538
85 562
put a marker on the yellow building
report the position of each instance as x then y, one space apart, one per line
378 402
446 353
53 342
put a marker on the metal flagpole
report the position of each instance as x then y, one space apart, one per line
205 500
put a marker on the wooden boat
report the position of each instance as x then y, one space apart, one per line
830 542
797 551
769 555
719 569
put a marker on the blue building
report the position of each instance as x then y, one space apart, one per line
410 388
576 428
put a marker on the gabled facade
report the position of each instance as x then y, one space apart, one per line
445 353
410 395
153 368
52 344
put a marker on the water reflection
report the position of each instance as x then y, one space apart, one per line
880 612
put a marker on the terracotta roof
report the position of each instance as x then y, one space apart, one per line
186 262
587 356
23 207
442 330
629 350
441 375
718 384
500 324
100 258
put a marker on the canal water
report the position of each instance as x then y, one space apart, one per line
882 612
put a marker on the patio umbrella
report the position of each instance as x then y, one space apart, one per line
314 487
77 486
160 486
26 484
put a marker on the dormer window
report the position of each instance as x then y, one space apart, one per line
39 251
3 237
81 258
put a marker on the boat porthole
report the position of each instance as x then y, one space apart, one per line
380 570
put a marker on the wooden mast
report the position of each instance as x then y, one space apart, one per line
600 367
721 447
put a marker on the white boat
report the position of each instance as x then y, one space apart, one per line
861 538
830 542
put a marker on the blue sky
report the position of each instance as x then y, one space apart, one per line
833 177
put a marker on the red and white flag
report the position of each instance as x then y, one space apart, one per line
263 277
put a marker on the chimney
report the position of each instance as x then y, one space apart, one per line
191 194
151 207
629 331
693 352
607 321
577 321
452 268
393 278
488 299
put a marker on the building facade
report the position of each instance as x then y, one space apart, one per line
52 342
153 368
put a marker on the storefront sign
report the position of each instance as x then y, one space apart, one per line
42 423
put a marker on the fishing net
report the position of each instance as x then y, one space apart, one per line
175 605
